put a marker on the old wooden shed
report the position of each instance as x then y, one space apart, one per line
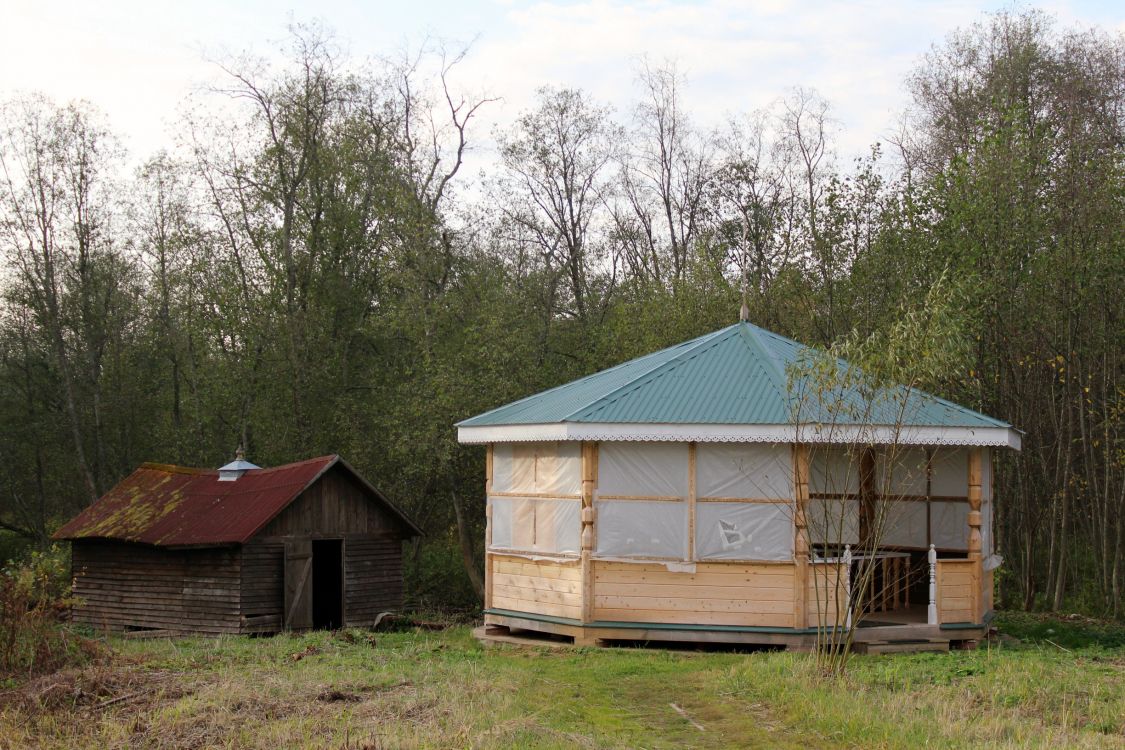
242 549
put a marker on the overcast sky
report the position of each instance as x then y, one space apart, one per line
138 59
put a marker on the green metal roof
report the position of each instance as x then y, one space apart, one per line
734 376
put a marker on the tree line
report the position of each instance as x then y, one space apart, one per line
310 270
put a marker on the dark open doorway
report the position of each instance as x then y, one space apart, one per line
328 583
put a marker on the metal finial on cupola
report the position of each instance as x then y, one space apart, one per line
744 311
236 468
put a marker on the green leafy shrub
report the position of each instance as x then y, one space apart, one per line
34 600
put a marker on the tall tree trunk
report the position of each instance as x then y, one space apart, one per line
465 539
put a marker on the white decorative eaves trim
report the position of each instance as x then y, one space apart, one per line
1004 437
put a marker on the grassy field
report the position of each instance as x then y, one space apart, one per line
1062 684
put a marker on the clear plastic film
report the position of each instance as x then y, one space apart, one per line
641 528
949 524
536 524
744 470
950 473
833 521
501 522
904 523
832 471
643 469
537 468
743 531
904 474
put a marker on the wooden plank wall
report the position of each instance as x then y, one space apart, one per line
958 591
263 586
537 586
334 506
715 594
373 579
125 586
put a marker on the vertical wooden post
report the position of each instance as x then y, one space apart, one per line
974 528
801 537
848 585
692 492
931 610
488 528
589 484
867 492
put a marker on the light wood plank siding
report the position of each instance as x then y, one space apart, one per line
958 591
715 594
826 596
537 586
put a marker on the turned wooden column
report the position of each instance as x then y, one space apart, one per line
488 528
974 528
589 484
801 537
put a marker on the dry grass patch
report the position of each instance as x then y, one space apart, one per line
440 690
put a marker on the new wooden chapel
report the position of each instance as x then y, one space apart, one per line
676 497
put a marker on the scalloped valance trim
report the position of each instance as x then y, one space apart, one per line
1003 437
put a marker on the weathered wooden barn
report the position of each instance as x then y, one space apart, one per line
684 496
242 549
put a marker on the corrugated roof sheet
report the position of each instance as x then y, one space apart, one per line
737 375
178 506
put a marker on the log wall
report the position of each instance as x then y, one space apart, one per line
263 586
373 579
127 586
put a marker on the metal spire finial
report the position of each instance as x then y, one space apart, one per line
744 311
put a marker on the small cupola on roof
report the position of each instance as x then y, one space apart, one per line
236 468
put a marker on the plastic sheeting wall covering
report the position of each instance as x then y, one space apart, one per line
743 531
832 471
904 522
833 521
536 524
537 468
949 524
643 469
641 528
950 473
904 473
744 471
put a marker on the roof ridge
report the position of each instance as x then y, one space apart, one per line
695 344
774 370
326 457
173 468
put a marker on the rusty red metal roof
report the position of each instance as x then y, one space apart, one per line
173 506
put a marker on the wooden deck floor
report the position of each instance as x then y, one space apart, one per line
904 630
